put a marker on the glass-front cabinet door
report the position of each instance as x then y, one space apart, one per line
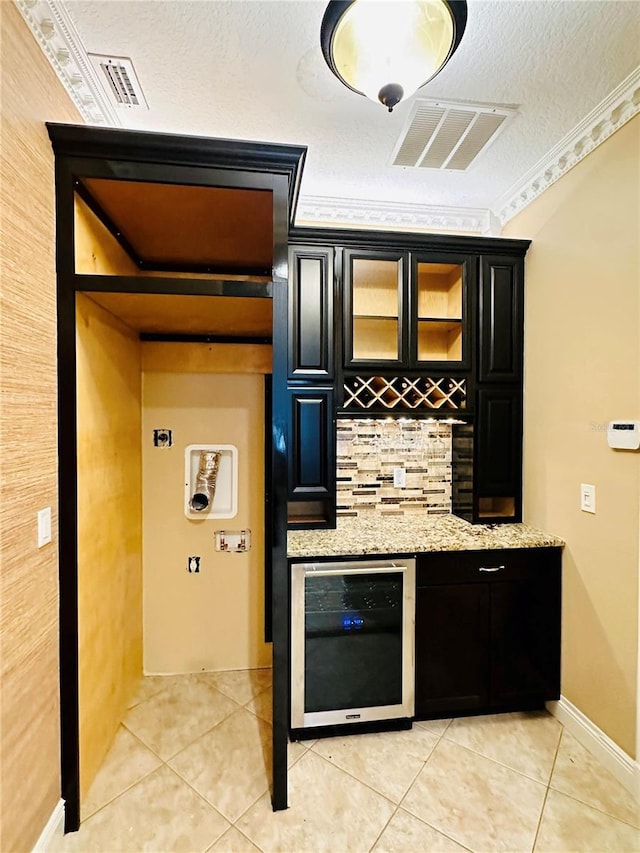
375 288
440 287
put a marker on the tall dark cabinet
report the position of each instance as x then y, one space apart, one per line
311 379
497 477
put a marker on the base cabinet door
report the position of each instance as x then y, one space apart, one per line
525 640
452 647
487 630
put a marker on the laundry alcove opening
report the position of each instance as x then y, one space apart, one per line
196 367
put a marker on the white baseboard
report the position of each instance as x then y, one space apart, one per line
54 830
600 745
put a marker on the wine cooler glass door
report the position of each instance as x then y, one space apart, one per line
354 643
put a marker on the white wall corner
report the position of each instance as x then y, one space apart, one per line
56 34
619 107
52 834
367 213
600 745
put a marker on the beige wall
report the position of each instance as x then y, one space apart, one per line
109 528
213 620
30 717
582 369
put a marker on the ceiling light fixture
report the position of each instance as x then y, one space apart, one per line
387 50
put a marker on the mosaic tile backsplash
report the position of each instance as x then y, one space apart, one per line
369 450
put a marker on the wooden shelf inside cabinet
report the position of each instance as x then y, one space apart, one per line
439 340
439 290
310 515
375 338
375 286
503 507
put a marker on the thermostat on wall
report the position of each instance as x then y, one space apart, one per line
624 435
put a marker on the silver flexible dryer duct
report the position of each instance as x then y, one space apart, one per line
205 487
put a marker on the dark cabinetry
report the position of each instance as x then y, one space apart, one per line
420 326
500 319
311 322
311 365
312 457
497 473
498 453
406 310
487 630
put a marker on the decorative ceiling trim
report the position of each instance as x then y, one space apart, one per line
615 110
56 34
61 43
377 214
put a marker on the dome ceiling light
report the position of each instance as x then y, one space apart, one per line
387 50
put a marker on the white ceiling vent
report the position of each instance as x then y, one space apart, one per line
120 81
439 135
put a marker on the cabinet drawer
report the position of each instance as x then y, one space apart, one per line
486 566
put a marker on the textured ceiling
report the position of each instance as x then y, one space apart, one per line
254 70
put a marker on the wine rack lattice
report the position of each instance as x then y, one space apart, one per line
404 393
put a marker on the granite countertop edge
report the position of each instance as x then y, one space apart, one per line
358 537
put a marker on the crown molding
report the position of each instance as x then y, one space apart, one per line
315 210
56 34
58 38
616 109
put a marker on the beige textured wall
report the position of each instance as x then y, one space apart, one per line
213 620
30 741
109 528
582 369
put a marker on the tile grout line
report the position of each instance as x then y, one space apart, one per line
205 800
595 808
133 784
546 793
495 761
85 818
409 787
406 794
355 778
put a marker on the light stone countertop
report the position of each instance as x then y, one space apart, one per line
413 534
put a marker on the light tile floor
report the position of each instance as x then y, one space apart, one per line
189 771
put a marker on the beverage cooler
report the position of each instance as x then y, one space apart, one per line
352 642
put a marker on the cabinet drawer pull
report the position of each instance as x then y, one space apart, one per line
492 569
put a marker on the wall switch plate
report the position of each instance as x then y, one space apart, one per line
44 526
587 497
399 478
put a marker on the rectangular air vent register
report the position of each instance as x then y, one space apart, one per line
119 80
448 136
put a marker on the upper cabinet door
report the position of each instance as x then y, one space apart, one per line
501 312
375 285
440 290
311 284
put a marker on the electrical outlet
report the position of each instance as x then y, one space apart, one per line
587 497
399 478
44 526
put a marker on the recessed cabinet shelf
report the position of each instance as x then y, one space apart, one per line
497 507
375 338
439 312
439 340
375 287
